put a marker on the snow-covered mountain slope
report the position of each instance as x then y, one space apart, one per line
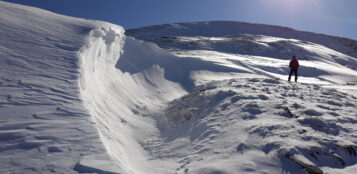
78 96
44 126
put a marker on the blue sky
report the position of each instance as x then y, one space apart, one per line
333 17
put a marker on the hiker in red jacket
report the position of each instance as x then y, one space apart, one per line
294 66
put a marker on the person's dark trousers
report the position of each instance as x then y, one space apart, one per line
295 71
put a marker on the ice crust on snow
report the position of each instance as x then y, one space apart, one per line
79 96
240 106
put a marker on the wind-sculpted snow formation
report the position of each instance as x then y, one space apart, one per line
78 96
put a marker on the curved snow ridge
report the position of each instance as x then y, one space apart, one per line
116 100
126 85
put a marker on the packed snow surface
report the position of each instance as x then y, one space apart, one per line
79 96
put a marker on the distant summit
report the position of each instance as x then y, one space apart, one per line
228 28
